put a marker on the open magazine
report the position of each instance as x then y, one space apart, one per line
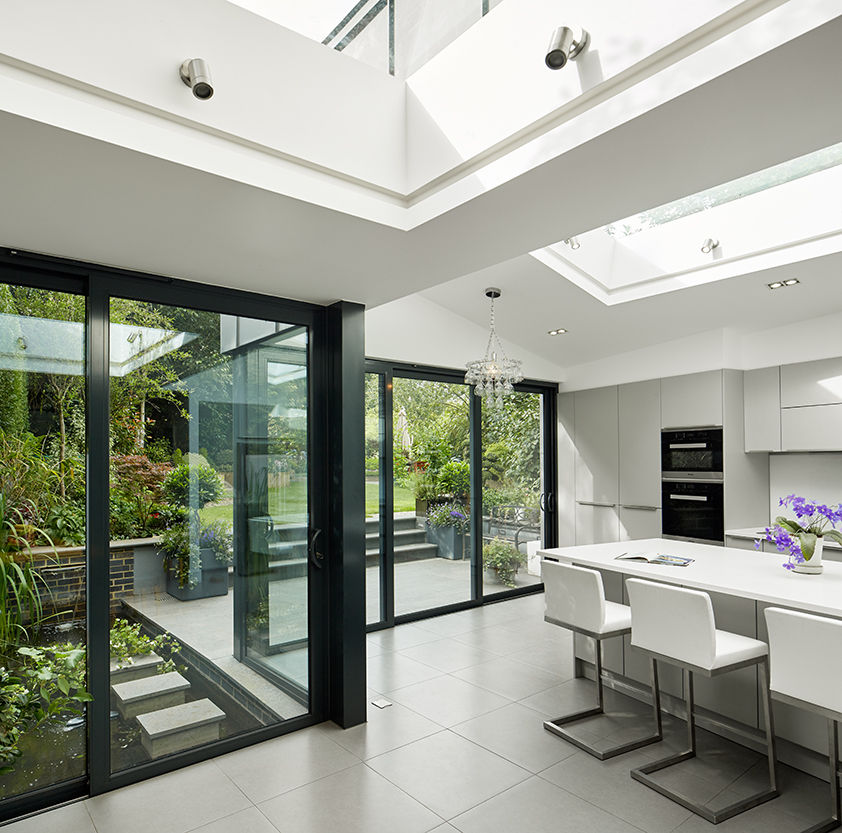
655 558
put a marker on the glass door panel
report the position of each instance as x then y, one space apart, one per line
512 491
209 519
432 483
375 497
42 539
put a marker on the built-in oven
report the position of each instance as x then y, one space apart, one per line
693 511
691 453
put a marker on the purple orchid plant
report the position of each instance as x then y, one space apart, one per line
800 536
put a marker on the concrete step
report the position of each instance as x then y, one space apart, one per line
287 568
287 549
173 729
402 537
372 526
134 668
410 552
149 694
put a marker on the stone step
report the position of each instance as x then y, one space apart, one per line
149 694
287 568
411 552
401 537
372 526
173 729
134 668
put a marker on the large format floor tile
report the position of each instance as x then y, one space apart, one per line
72 818
250 820
172 803
282 764
447 655
392 670
447 701
355 800
509 678
447 773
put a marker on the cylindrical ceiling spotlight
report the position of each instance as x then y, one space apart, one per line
194 72
565 45
709 245
573 242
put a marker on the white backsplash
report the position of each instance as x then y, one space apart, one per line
816 476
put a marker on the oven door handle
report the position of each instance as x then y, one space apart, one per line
689 445
700 498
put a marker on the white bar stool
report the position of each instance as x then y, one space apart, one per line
676 625
575 599
805 653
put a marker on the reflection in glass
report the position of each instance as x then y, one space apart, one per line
42 539
374 495
209 526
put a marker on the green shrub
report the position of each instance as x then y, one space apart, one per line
454 478
127 640
198 483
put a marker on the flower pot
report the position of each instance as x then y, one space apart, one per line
449 540
213 580
814 565
420 507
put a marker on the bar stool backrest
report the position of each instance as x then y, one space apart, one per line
805 657
672 621
574 596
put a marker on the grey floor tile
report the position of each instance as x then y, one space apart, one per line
403 636
494 638
172 803
608 785
570 696
250 820
447 655
276 766
551 655
447 701
386 729
73 818
509 678
356 800
392 670
450 625
447 773
537 806
516 733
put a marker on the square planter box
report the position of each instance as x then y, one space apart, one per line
214 580
449 540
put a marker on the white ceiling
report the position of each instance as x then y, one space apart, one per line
73 196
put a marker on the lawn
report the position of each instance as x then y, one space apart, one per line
292 500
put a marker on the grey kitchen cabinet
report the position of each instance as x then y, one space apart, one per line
811 383
762 409
733 694
692 401
641 522
739 543
596 524
811 428
639 412
597 447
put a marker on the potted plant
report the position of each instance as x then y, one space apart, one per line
446 526
804 537
503 560
196 558
425 489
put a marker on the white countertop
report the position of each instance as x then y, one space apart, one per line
735 572
755 532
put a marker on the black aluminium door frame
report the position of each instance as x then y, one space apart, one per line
549 439
99 284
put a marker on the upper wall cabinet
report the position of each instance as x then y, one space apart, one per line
692 401
815 428
811 383
595 427
640 443
762 401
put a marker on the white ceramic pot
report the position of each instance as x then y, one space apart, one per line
814 565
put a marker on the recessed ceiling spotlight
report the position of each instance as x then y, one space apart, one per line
557 332
709 245
194 72
566 44
791 282
775 284
573 242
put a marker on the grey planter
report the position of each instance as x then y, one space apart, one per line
214 580
449 540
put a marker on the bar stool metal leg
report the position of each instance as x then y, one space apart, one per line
554 726
835 819
643 773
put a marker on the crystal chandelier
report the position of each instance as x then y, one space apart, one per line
495 374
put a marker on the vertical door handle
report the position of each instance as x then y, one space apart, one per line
542 502
551 501
316 558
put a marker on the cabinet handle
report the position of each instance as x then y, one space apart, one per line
642 508
594 503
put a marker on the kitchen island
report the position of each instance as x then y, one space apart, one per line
742 584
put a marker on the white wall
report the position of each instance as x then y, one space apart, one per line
273 86
417 330
813 476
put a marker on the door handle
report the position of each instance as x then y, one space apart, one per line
316 558
551 501
542 502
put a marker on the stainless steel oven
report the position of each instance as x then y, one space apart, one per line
691 453
693 511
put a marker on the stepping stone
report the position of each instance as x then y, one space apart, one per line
134 668
180 727
149 694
